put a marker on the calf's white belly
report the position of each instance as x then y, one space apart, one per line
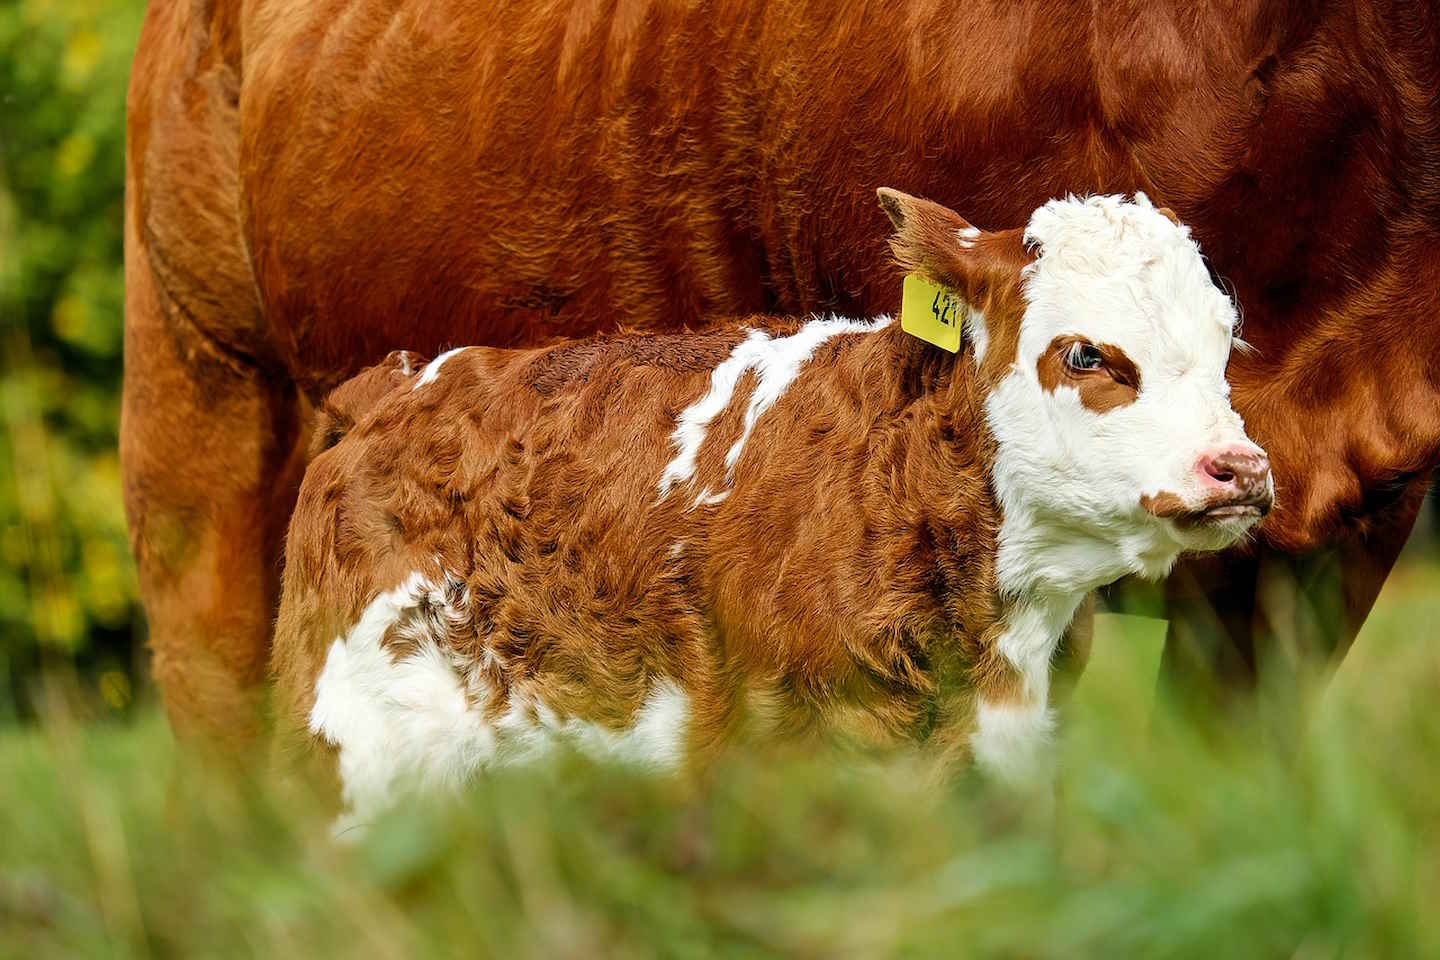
419 721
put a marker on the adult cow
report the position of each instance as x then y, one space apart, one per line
313 182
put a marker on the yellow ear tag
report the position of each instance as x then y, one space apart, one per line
931 312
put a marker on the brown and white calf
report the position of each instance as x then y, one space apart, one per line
641 545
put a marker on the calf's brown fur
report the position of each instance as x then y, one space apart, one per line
845 582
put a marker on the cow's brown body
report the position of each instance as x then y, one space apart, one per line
314 183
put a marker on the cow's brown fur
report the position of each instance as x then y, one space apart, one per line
311 183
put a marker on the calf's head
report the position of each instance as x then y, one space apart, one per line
1102 344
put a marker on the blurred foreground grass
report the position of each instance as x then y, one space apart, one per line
1162 843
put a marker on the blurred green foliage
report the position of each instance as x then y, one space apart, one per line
67 587
1162 842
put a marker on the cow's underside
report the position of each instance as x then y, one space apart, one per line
310 187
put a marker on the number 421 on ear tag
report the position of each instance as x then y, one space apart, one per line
932 313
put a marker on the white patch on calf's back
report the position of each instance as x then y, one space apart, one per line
432 369
776 363
417 721
708 499
778 367
691 424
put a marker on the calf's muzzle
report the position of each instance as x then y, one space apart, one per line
1239 480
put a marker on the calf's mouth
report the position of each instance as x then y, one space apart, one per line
1171 506
1253 508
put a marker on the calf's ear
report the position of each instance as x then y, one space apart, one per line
940 245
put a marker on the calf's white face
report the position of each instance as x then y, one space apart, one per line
1116 414
1104 343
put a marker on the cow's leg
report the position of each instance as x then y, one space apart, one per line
1261 631
211 457
210 430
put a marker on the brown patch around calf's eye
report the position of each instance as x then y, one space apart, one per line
1115 383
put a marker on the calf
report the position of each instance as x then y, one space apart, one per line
643 544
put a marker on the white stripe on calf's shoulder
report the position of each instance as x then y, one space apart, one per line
776 363
432 369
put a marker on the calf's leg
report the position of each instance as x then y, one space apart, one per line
1014 701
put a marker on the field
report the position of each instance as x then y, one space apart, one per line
1161 843
1161 840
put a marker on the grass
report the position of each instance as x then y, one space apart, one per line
1160 843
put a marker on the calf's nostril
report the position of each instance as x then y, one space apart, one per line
1219 469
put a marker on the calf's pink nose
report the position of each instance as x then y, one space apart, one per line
1242 473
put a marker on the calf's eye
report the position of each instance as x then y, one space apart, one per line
1082 356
